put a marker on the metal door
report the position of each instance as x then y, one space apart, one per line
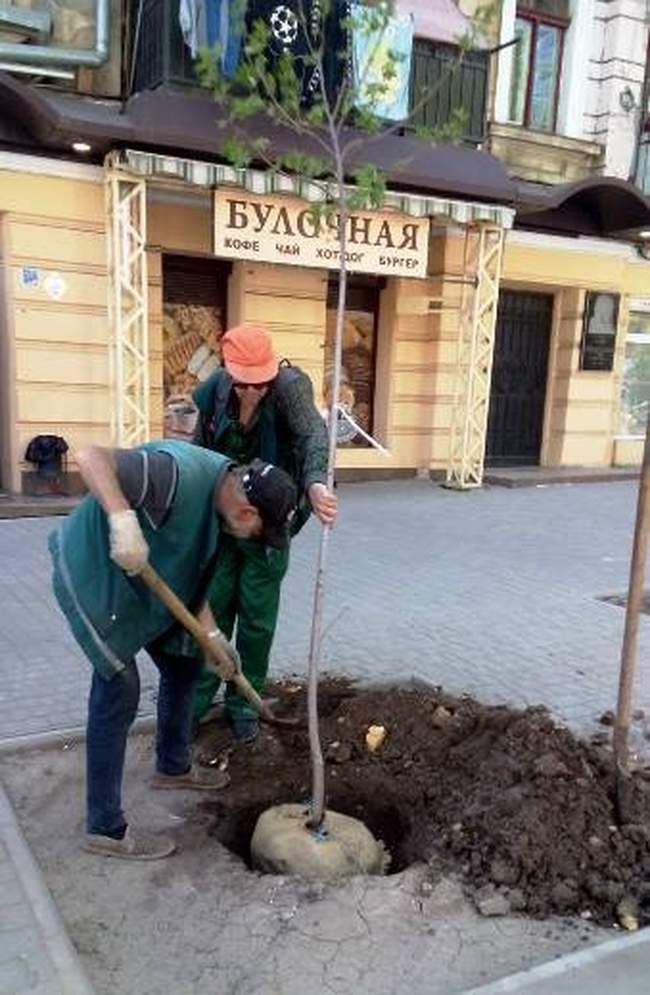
518 389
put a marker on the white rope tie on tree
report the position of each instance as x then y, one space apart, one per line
364 435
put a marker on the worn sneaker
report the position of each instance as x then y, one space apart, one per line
246 729
196 779
134 845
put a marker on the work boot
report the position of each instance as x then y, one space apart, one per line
196 779
135 845
245 729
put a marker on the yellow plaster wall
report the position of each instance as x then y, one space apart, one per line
178 227
581 406
628 452
292 303
57 346
426 331
56 350
7 360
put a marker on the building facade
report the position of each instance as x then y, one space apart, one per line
571 102
521 339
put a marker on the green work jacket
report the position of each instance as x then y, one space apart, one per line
112 615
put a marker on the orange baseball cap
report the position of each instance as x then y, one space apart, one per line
248 354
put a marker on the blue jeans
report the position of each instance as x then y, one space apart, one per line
112 707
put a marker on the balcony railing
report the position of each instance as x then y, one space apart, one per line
163 59
454 84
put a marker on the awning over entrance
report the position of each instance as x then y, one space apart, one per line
188 126
208 174
600 206
439 180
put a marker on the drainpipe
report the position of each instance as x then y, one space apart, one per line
47 55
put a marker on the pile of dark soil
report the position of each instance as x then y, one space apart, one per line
510 800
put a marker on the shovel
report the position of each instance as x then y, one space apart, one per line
215 656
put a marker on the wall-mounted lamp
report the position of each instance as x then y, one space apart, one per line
627 100
643 245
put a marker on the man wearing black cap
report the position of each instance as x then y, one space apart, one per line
167 503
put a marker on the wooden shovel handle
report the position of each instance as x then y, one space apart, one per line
211 649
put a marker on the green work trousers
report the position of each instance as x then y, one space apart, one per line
245 589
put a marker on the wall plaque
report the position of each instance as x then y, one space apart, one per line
599 331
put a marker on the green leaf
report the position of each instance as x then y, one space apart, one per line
315 115
236 152
370 188
454 128
304 165
288 85
366 121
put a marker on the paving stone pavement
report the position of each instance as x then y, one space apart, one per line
493 592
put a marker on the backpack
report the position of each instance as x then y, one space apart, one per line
47 452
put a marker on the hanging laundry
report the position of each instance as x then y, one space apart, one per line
225 21
290 32
192 17
371 50
337 56
295 28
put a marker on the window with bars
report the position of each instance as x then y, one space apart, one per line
537 65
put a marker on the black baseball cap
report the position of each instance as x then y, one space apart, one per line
274 494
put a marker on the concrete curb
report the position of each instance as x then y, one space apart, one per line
54 936
549 478
64 737
10 510
566 968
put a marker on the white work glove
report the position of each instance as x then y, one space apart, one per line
128 545
228 654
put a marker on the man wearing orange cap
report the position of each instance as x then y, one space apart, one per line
256 407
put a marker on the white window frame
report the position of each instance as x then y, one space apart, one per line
573 72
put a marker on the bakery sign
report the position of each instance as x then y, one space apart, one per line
286 230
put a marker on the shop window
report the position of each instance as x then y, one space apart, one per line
635 387
359 354
194 318
537 64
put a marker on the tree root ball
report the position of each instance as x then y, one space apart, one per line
344 847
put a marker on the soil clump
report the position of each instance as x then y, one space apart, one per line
513 802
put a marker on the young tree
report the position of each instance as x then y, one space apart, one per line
332 126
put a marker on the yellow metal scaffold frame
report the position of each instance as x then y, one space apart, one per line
126 214
483 257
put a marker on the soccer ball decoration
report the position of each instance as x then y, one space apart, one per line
284 25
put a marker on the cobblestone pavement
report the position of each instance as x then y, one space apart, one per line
494 592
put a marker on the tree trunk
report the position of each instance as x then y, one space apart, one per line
317 764
629 649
